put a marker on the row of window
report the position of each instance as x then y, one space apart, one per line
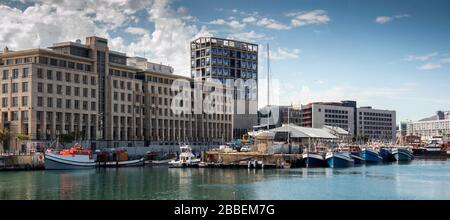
116 84
224 62
129 97
15 101
14 87
67 117
15 73
225 53
375 114
68 104
375 119
77 91
336 116
335 111
67 77
64 64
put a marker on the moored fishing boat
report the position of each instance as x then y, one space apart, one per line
402 154
75 158
355 153
339 159
158 159
313 159
187 158
386 154
371 156
117 158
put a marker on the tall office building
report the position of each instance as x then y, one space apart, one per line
110 99
224 59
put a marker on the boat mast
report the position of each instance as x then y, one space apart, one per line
268 92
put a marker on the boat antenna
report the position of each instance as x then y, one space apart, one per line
268 92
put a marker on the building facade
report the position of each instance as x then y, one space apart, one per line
376 124
93 91
438 125
224 59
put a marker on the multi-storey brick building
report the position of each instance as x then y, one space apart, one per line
87 88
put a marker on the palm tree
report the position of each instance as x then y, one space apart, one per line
4 137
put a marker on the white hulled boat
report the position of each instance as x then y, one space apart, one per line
70 159
187 158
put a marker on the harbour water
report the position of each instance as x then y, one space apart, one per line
419 179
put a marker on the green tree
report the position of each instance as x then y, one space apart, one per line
4 137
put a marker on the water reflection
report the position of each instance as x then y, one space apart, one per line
416 180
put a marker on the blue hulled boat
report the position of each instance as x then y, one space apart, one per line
339 159
386 154
402 154
371 156
357 157
313 159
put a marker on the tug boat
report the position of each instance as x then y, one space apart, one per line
187 158
339 159
371 156
75 158
313 159
402 154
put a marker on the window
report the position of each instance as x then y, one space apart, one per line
93 106
68 90
49 88
24 101
53 62
5 74
76 78
25 72
49 74
40 101
15 87
93 93
40 87
85 80
59 89
85 92
15 116
58 103
68 78
68 103
15 73
62 63
58 76
93 80
79 66
4 102
40 73
49 102
15 102
4 88
76 104
24 86
71 65
77 91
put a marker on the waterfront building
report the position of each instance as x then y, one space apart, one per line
427 128
376 124
278 116
226 59
97 93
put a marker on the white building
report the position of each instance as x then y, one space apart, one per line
376 124
143 64
437 125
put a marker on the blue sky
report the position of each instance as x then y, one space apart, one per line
387 54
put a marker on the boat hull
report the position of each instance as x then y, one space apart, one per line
387 155
357 158
127 163
371 156
313 160
402 155
154 163
52 162
339 160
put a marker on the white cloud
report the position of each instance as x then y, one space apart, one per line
284 53
236 24
45 22
319 81
136 31
272 24
422 58
387 19
430 66
217 22
304 18
250 19
249 36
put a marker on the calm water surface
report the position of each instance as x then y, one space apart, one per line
419 179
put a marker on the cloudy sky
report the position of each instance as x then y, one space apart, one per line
387 54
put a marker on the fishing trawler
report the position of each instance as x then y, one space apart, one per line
117 158
402 154
371 155
74 158
337 159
